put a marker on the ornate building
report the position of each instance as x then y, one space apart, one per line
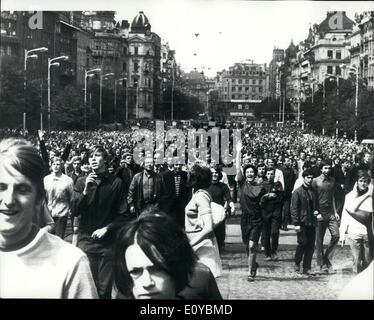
243 87
143 68
362 47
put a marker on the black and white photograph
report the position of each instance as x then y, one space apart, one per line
187 150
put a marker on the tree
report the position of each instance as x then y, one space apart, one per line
67 109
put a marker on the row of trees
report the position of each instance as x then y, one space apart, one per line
67 102
336 111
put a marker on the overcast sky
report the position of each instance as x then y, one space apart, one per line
229 30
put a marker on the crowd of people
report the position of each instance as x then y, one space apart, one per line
147 230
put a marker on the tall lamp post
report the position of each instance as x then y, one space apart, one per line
29 54
52 62
115 96
101 92
356 70
87 73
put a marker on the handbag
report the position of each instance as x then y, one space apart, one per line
218 211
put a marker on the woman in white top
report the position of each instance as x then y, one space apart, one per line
357 232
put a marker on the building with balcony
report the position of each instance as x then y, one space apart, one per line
362 47
144 56
331 46
244 86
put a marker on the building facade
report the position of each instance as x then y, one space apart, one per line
243 87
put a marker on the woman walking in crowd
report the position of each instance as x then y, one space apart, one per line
199 221
251 220
356 231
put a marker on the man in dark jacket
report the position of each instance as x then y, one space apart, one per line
289 177
179 193
304 205
101 204
147 188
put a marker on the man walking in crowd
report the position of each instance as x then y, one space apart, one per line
33 263
59 190
147 188
304 211
325 187
102 207
289 177
178 191
271 208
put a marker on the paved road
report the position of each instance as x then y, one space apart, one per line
277 279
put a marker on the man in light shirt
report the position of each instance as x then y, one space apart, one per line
33 262
59 190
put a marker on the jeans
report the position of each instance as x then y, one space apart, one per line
286 212
60 226
101 268
360 250
305 246
220 232
332 224
270 235
251 249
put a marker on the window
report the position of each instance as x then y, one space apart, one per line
260 81
338 54
225 96
149 99
239 96
233 96
240 89
136 67
329 54
260 89
240 107
246 89
124 66
253 89
246 81
338 71
136 50
124 50
329 69
240 81
254 81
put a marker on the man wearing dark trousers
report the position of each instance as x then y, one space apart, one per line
289 177
179 193
325 187
304 206
102 207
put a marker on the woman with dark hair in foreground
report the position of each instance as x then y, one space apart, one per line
154 260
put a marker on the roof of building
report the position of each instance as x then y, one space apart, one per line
140 23
291 50
336 21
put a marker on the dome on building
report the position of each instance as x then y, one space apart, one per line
140 23
291 50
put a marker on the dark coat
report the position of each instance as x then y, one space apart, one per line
135 194
174 205
303 205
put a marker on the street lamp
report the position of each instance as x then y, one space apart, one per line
101 92
87 73
29 56
356 102
115 97
51 62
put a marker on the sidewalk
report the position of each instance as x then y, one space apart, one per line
277 279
